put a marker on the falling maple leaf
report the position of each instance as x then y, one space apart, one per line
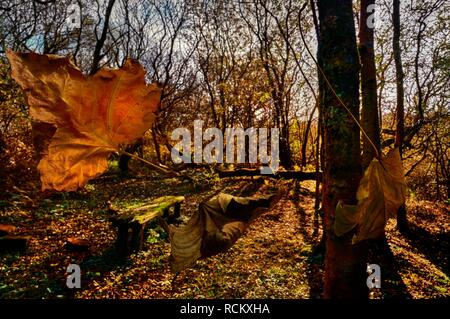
93 115
215 227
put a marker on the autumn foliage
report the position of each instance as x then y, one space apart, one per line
93 115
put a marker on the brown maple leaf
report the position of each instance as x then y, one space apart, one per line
215 227
93 115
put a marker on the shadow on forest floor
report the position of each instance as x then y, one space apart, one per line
379 252
315 260
434 247
392 284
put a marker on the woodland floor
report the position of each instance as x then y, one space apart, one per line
276 258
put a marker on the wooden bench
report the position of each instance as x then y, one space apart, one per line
131 223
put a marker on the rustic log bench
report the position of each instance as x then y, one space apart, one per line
131 223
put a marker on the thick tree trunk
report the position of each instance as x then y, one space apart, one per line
369 110
285 149
344 264
402 222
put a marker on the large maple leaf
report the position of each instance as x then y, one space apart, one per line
93 115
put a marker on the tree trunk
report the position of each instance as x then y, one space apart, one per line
345 275
305 136
369 110
285 150
132 148
402 222
319 142
156 145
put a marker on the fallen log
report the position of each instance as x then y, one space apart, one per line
302 176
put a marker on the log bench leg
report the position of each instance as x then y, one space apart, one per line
137 239
177 210
130 238
130 234
172 213
122 239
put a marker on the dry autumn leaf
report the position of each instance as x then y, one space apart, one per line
42 135
214 228
381 192
93 115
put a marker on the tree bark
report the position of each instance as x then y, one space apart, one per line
400 130
306 135
285 149
319 142
402 222
344 265
369 110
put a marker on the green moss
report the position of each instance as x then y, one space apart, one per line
157 262
113 165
